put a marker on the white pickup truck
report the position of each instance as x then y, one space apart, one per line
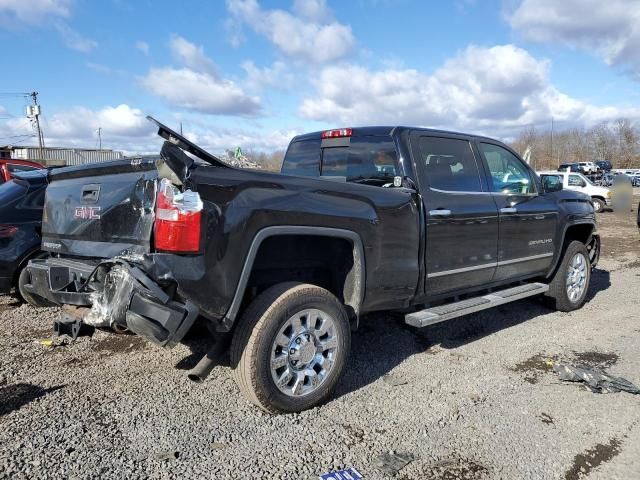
601 196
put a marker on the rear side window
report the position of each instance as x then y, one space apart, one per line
302 158
449 164
13 168
367 160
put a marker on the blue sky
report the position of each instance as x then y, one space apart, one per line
254 73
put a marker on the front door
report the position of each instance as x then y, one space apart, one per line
528 218
461 216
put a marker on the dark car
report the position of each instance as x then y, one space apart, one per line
429 223
604 165
21 203
573 167
11 166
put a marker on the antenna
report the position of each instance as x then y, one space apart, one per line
100 138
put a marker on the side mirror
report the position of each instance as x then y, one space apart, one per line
551 183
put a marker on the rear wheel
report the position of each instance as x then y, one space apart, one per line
598 204
569 286
290 348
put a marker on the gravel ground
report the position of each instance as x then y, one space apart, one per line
473 398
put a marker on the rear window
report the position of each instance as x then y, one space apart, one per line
14 168
302 158
369 160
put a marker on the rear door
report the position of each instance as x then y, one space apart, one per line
462 218
528 218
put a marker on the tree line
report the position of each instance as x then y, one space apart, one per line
618 142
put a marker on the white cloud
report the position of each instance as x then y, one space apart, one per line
611 29
200 92
309 36
32 11
492 90
123 128
74 40
278 76
219 139
99 68
191 55
197 86
143 47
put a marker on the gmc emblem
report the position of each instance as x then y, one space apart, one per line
87 213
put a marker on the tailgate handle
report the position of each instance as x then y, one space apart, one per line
90 193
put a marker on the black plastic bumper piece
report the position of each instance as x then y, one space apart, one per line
74 327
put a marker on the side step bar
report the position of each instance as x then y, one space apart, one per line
432 315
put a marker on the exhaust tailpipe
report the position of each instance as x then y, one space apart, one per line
201 371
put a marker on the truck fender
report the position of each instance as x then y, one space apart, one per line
357 296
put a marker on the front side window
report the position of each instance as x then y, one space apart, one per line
509 175
576 181
449 164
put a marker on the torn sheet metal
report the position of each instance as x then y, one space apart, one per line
595 380
391 462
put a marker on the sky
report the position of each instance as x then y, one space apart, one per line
254 73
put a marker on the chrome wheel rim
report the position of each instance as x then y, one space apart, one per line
577 277
303 352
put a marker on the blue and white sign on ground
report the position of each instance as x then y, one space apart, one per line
347 474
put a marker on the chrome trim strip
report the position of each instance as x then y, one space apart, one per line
489 265
525 259
462 270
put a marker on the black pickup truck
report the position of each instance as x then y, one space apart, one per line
435 224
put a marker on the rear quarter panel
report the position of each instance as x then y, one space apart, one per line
242 202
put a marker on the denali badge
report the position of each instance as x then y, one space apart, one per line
540 242
87 213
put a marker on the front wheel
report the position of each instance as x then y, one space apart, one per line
598 205
290 348
568 288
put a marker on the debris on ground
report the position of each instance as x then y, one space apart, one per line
595 380
391 462
346 474
168 455
394 380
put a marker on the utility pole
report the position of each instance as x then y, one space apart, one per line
180 127
34 112
100 138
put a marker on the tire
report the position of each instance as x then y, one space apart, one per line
33 300
598 205
559 287
268 324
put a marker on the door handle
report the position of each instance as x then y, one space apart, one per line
440 212
509 210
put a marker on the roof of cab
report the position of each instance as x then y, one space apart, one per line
385 130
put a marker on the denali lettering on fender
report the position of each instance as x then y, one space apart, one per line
87 213
540 242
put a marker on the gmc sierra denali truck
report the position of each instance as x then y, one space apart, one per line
432 223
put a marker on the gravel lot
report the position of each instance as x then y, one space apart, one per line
472 398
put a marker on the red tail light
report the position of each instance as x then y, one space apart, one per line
8 231
178 219
340 132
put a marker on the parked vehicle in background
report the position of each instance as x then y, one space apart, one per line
634 177
601 196
605 165
573 167
607 180
433 223
21 203
589 168
9 167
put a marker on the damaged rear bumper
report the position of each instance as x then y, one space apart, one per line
119 294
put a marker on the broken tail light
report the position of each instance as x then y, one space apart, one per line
178 219
8 231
